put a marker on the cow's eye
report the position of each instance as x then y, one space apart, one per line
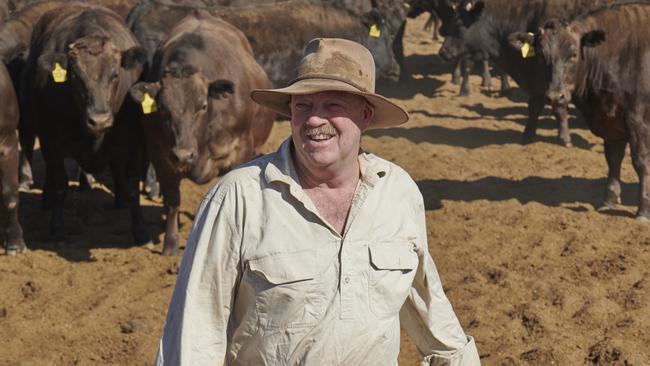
204 106
114 73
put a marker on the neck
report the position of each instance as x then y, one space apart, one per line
340 176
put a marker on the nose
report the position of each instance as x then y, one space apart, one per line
183 156
100 121
554 96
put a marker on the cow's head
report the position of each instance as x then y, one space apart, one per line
188 108
380 43
563 49
93 67
456 30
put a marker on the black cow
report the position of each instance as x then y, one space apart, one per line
81 63
9 163
205 121
494 21
600 62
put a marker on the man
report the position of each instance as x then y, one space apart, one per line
312 255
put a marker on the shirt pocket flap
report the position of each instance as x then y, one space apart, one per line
286 267
394 256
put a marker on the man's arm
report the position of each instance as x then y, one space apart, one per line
428 316
197 319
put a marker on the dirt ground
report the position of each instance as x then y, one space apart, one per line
534 272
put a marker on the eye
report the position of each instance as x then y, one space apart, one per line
204 106
114 73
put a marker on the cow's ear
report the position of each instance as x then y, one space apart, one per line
48 61
475 8
219 88
133 57
518 39
371 18
16 52
592 38
138 90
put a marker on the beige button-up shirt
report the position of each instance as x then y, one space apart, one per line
266 281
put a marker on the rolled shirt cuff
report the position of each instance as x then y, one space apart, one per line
466 356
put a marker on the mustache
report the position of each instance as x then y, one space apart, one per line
324 129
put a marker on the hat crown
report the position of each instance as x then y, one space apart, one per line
338 59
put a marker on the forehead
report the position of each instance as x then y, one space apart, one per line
339 96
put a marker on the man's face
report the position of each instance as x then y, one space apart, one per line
326 128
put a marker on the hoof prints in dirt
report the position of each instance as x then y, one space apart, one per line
602 353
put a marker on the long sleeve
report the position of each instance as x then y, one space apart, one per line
197 319
428 316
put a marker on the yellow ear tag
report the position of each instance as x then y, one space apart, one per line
374 31
455 7
148 104
59 73
527 51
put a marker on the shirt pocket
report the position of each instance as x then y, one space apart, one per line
392 270
287 289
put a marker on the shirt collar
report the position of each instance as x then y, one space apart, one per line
282 167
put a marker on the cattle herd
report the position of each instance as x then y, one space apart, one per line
162 86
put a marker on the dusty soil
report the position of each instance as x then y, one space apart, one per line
535 274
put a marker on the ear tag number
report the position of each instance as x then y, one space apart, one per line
148 104
374 31
59 73
527 51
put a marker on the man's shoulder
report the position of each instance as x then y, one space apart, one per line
391 169
244 178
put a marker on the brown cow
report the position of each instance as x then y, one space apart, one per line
206 122
82 61
600 62
9 163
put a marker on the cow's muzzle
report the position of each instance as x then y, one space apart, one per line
557 97
182 158
98 122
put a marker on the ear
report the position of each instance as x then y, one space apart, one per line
475 8
368 115
371 18
137 90
592 38
219 88
17 52
48 61
133 57
518 39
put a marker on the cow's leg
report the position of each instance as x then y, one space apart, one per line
127 173
56 184
562 117
27 137
535 106
86 180
639 136
465 66
456 73
505 84
398 51
9 177
485 73
614 153
151 182
170 186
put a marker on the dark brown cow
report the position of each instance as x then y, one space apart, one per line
206 122
276 49
9 163
81 64
600 62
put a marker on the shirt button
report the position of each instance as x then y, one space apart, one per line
346 280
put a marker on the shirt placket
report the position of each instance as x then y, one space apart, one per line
349 266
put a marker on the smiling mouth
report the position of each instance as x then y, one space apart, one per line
320 134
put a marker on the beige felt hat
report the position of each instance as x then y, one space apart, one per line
333 64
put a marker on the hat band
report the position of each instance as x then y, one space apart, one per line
329 77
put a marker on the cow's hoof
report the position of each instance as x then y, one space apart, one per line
148 245
152 192
567 144
606 207
15 249
25 186
464 93
527 139
170 252
642 218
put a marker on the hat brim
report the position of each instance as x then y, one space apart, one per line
387 113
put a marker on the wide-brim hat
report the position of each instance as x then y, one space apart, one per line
334 64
